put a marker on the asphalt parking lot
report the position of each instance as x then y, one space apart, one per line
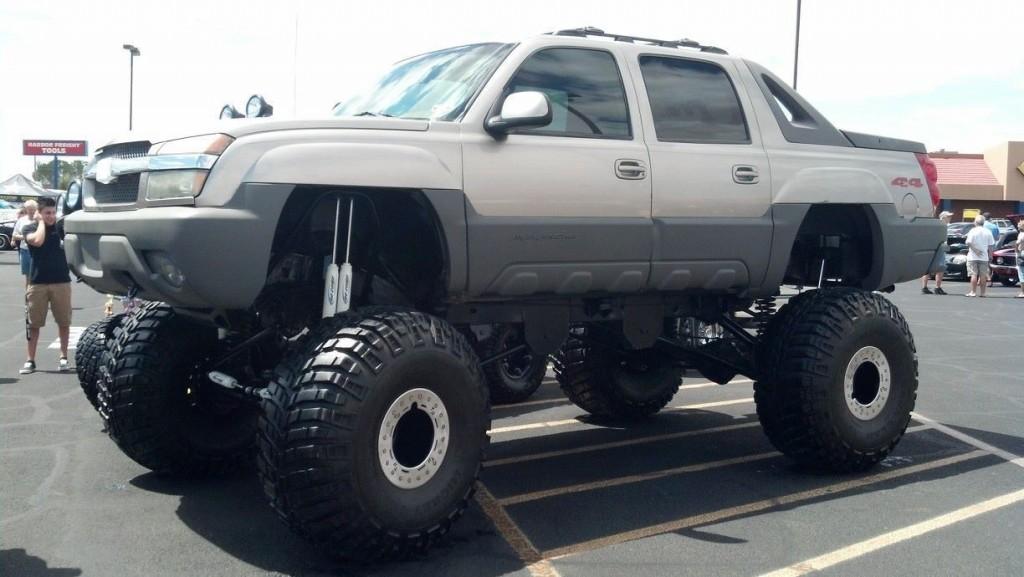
698 490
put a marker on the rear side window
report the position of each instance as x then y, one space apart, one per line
585 90
693 101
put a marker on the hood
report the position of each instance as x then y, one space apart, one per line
245 126
1004 252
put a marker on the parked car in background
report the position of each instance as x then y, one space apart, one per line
1004 225
959 228
956 262
1004 260
6 234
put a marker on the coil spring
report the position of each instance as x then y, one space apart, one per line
764 310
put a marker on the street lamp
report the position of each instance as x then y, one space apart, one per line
796 50
132 53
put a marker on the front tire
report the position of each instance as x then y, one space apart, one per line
92 353
839 379
373 438
162 411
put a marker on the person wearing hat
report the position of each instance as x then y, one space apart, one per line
944 216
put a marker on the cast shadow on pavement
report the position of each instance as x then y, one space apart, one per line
233 514
18 562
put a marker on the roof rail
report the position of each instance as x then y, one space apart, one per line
684 43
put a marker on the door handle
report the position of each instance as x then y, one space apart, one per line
745 174
629 169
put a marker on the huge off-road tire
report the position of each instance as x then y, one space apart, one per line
838 379
372 438
92 352
162 411
609 384
511 379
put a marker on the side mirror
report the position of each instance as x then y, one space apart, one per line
521 109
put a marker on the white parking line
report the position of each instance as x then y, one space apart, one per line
616 444
897 536
75 334
977 443
758 506
564 422
535 564
563 400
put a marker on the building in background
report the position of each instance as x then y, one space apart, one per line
990 182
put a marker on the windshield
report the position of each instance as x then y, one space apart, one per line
433 86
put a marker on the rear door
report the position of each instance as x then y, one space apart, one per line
564 208
711 185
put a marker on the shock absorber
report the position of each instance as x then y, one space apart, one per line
764 310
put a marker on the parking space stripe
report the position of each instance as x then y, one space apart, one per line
976 443
576 421
628 479
617 444
891 538
536 565
758 506
563 400
640 477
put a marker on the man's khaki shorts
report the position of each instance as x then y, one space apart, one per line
978 268
55 296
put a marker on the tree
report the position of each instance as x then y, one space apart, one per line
43 174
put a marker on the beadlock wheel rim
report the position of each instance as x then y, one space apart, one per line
394 445
867 383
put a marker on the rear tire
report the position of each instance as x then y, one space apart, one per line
91 354
839 379
609 384
1011 282
514 378
372 439
162 411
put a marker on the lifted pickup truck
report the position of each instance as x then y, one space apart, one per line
630 206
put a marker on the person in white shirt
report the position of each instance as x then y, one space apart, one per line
979 251
23 255
1020 258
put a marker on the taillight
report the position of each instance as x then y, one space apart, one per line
931 175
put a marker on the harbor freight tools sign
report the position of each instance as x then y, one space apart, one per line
55 147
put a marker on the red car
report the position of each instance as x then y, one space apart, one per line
1004 264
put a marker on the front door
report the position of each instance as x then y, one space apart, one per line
563 209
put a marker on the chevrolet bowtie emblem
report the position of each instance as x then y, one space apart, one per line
104 171
1020 167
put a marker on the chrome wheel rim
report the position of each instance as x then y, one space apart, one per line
413 438
867 383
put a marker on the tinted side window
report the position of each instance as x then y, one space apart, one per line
693 101
585 89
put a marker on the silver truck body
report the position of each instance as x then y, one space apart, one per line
529 215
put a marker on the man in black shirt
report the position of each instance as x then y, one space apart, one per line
49 283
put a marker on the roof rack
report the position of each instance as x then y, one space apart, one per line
684 43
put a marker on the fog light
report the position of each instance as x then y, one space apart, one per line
165 267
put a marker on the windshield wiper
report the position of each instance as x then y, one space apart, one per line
368 113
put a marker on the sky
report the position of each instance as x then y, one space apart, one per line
947 73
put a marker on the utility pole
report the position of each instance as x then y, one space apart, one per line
132 53
796 53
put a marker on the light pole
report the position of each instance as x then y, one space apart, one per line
796 52
132 53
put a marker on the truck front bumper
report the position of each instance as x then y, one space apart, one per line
221 254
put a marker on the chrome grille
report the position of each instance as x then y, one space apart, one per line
125 150
124 190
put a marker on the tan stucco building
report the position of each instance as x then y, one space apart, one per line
990 182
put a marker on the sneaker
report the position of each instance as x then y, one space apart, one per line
62 364
970 295
926 291
28 368
939 291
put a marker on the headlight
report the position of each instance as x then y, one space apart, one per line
999 260
960 259
165 184
165 267
229 112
